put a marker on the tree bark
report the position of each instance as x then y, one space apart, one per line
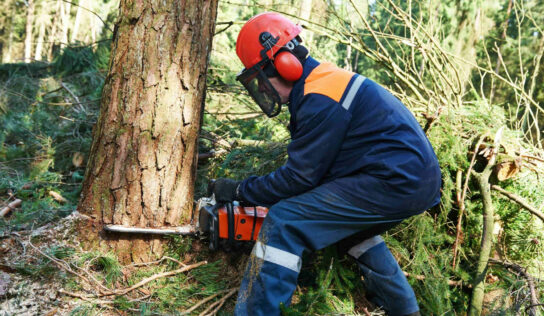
39 43
142 163
28 30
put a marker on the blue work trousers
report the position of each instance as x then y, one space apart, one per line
312 221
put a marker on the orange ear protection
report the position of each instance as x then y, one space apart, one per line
288 66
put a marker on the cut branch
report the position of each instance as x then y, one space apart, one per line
154 277
202 302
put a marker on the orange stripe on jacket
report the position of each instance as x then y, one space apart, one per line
328 80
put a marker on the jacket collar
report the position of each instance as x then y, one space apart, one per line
295 97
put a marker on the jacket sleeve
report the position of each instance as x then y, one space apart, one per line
321 125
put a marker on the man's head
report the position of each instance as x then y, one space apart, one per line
269 47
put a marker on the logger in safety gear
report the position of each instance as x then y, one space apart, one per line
358 164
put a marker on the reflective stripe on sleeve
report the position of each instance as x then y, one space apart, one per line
357 250
353 91
277 256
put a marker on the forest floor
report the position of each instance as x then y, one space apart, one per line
39 276
23 288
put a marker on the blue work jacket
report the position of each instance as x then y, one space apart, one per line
354 137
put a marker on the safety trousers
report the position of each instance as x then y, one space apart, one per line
312 221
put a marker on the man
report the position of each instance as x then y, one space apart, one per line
359 163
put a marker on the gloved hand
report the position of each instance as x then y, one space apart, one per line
225 190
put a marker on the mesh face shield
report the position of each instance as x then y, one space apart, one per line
256 82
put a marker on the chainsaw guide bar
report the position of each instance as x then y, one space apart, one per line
180 230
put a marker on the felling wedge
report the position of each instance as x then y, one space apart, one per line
226 224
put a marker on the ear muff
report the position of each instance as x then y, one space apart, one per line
288 66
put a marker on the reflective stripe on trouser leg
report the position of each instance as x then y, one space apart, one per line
271 274
357 250
277 256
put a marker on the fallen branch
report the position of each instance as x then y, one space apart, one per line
87 299
73 96
201 302
65 266
11 206
214 308
530 282
211 154
520 201
154 277
57 197
157 262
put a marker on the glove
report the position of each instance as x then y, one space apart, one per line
225 190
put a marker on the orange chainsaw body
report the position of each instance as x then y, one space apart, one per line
247 222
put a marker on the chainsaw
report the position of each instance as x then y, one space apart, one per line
230 223
227 224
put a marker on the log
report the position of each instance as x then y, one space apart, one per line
11 206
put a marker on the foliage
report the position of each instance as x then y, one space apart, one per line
46 135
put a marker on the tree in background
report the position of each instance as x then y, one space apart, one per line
142 163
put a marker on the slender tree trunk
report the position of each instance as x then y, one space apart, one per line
94 32
39 44
503 37
53 35
7 56
77 21
65 21
143 159
28 30
305 13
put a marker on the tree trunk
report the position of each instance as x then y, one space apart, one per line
6 58
28 30
65 21
53 35
39 44
305 13
143 158
77 21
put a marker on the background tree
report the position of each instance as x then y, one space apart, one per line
142 162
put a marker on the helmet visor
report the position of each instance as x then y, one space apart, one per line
261 90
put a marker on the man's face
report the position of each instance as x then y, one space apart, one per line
282 86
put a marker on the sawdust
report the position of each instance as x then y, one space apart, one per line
254 266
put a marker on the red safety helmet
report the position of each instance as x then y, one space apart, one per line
264 45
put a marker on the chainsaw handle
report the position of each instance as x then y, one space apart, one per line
230 219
